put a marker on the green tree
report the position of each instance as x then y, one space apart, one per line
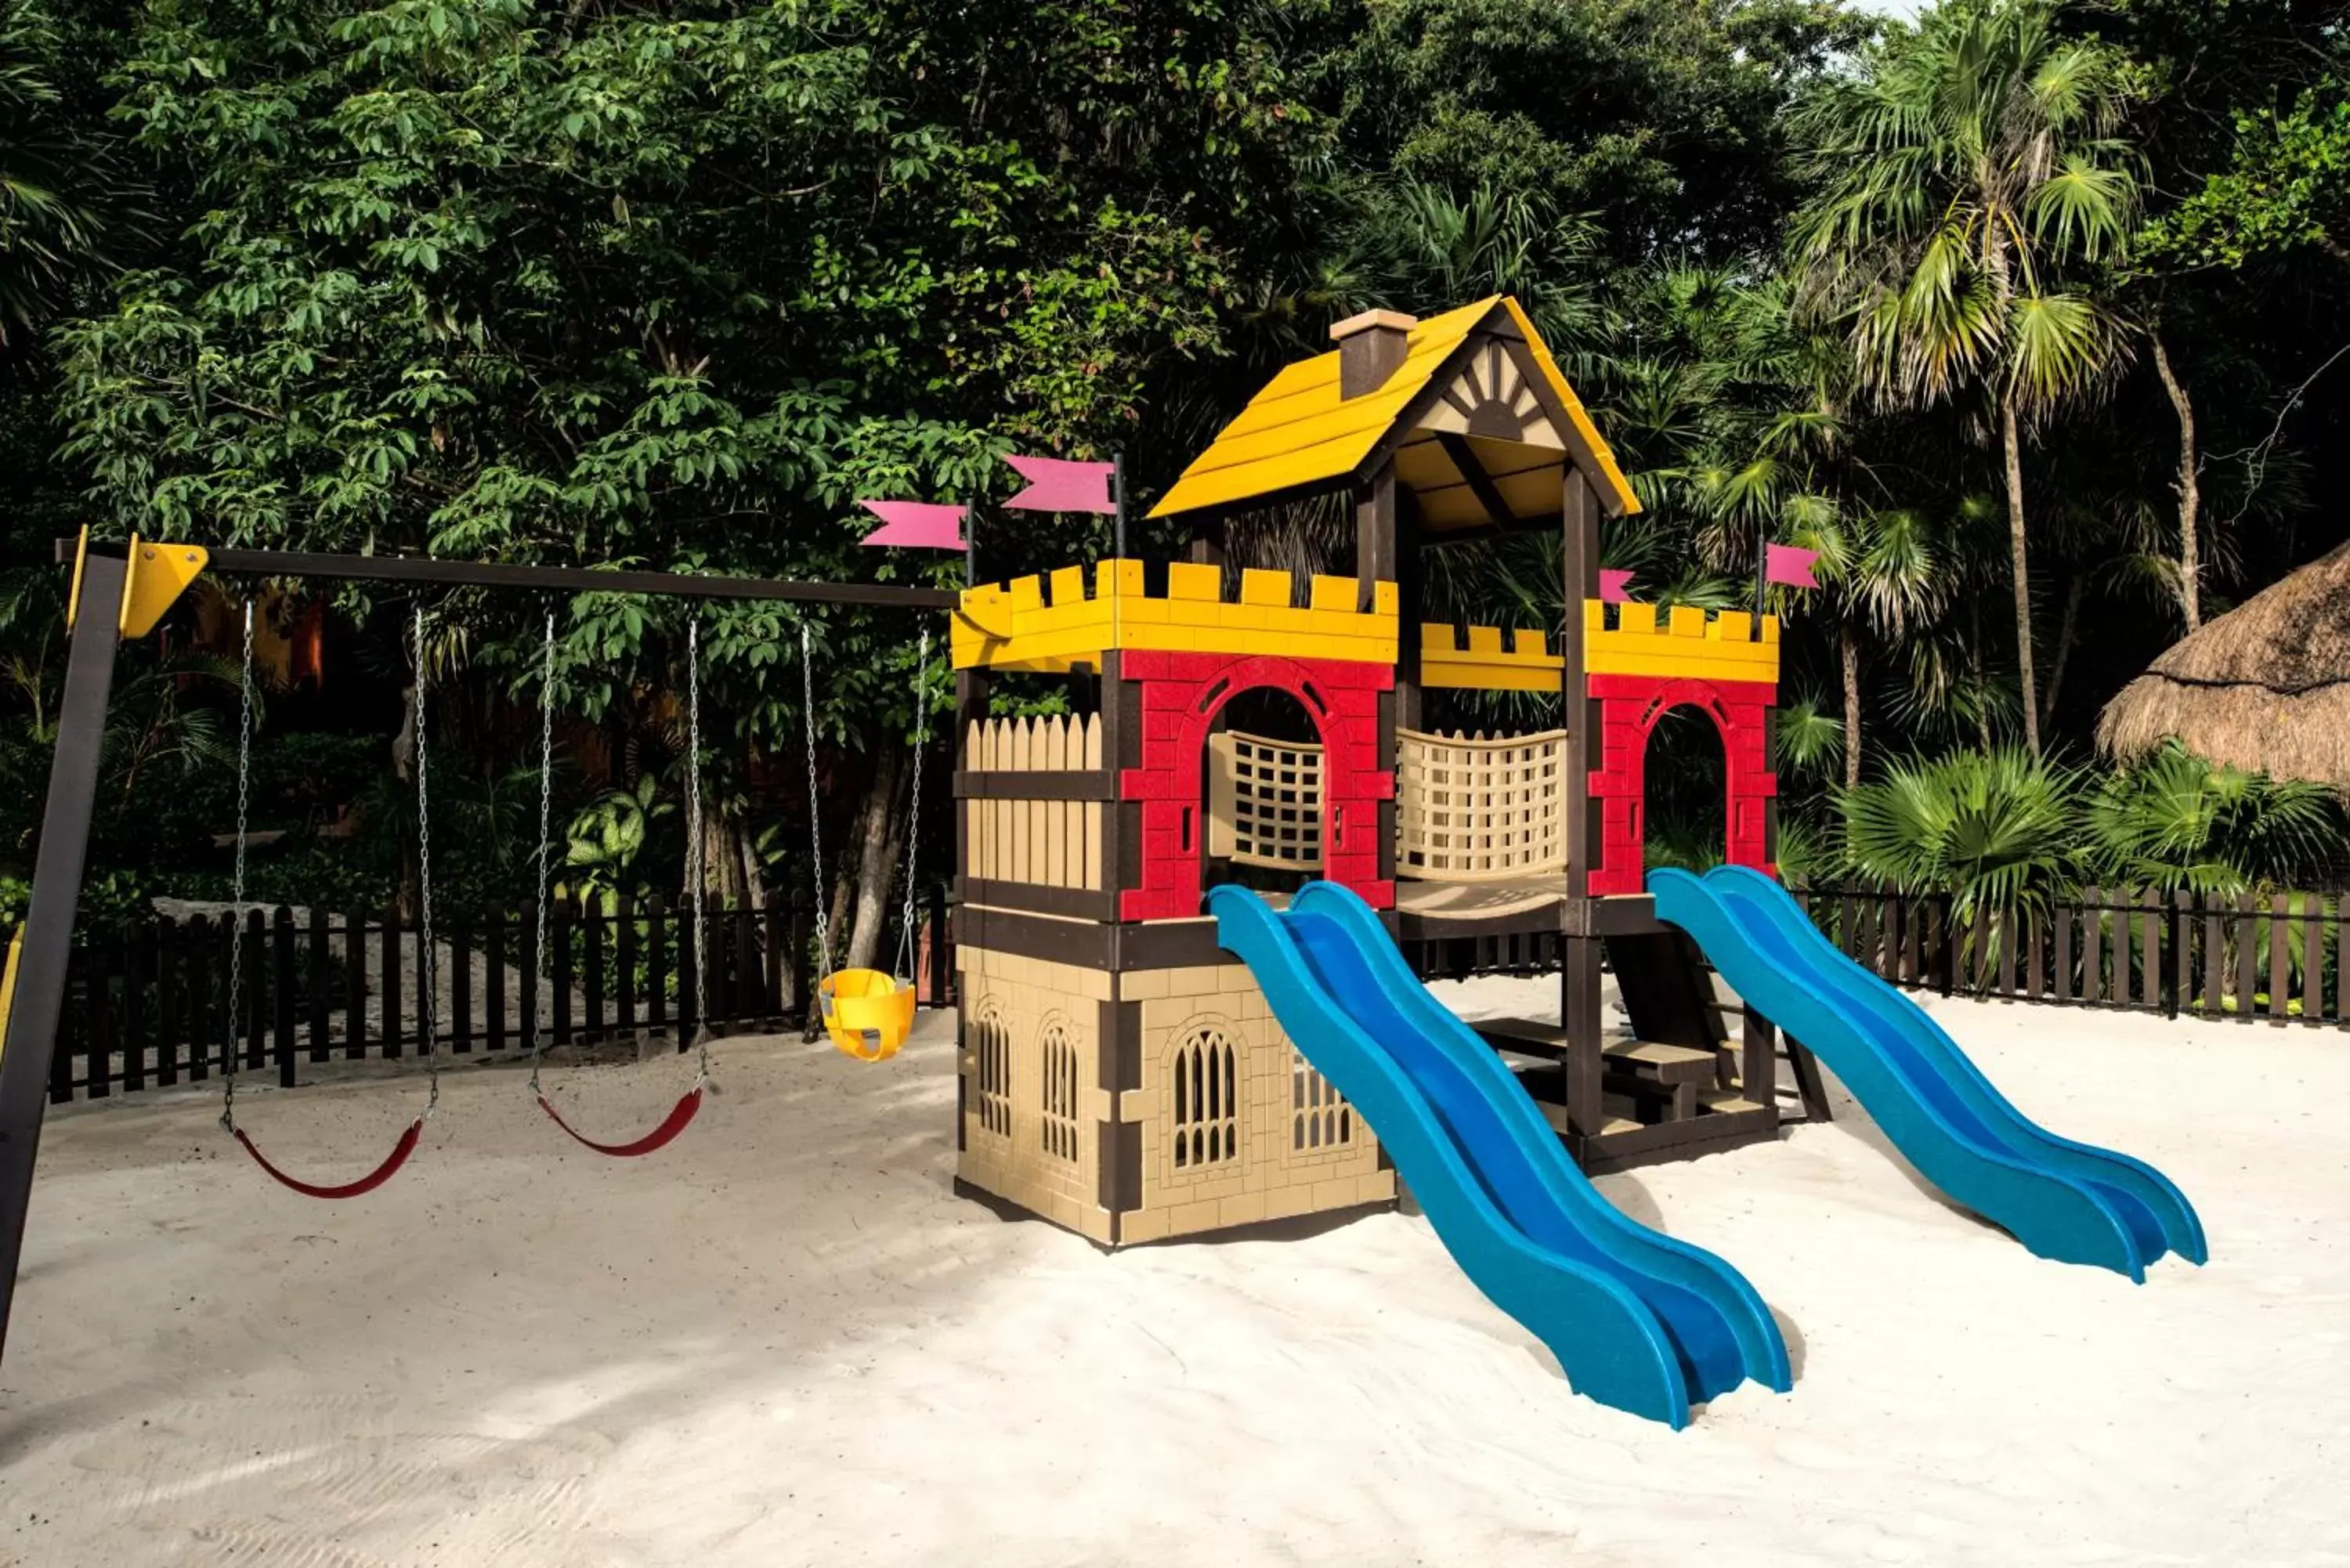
1966 166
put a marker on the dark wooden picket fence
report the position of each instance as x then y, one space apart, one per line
151 1007
2279 957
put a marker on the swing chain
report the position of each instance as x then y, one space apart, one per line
427 998
698 845
236 878
816 809
545 842
907 951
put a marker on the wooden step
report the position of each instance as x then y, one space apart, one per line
1555 1115
1665 1064
1724 1102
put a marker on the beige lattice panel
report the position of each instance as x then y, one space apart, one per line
1236 1127
1265 800
1473 809
1055 843
1031 1108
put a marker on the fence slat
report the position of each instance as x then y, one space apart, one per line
167 1002
2182 957
656 963
317 1000
2247 958
2280 960
493 981
354 985
2008 927
749 1001
195 954
393 980
2062 988
282 993
136 1015
559 939
2312 958
2215 960
624 966
461 985
97 1024
2092 946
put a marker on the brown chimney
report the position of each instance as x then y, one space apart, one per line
1370 346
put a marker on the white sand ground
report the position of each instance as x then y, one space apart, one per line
784 1341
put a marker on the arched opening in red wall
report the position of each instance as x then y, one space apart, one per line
1262 794
1686 767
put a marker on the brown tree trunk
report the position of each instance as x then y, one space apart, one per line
2012 445
1848 650
2065 636
872 860
1981 682
2190 597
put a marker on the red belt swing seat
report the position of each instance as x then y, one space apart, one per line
689 1104
408 1140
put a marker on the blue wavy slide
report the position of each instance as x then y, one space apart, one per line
1638 1320
2062 1200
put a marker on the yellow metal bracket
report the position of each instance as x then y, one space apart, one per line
8 984
157 575
73 595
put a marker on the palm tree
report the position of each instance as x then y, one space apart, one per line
1964 167
1882 574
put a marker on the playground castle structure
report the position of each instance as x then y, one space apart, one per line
1121 1074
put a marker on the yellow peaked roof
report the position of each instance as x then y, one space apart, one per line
1299 432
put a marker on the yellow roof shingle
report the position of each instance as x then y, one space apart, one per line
1298 432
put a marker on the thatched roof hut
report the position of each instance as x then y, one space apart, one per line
2265 688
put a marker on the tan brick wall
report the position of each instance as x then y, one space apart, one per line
1031 1001
1270 1177
1279 1169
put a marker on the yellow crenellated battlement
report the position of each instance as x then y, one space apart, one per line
1045 624
1487 659
1687 644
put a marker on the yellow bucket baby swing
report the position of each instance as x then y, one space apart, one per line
868 1012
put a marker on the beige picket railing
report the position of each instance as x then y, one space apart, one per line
1055 843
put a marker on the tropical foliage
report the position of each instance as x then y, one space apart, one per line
2027 316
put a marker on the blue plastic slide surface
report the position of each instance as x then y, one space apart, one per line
2062 1200
1638 1320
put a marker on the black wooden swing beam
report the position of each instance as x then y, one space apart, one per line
37 997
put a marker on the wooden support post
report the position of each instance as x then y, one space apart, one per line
1579 713
28 1036
1580 1021
1374 534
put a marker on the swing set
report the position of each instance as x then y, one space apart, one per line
867 1013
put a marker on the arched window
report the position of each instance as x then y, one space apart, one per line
1058 1128
1206 1099
1319 1118
991 1042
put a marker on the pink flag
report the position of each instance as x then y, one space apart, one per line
917 525
1615 587
1786 565
1058 484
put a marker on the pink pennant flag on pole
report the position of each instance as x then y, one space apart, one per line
1059 484
916 524
1787 565
1615 587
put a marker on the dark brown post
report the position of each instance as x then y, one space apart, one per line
28 1036
1579 952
